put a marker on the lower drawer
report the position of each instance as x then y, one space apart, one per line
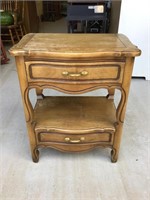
75 138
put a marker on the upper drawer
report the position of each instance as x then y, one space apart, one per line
72 72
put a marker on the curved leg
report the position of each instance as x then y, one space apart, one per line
33 143
114 155
35 155
116 144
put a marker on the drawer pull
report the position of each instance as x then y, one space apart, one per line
83 73
67 139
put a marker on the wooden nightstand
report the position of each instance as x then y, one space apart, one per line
75 64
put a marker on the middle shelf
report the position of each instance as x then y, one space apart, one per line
74 114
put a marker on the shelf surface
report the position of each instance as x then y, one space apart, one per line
75 114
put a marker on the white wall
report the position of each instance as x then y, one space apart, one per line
135 24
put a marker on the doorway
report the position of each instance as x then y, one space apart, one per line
53 15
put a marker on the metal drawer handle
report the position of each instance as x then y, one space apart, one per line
83 73
67 139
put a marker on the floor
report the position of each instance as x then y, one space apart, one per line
67 176
54 27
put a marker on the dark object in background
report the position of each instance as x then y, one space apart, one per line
51 10
3 54
89 17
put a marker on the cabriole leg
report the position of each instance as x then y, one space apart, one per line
116 144
35 155
114 155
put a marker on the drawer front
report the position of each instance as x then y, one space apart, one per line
72 72
75 139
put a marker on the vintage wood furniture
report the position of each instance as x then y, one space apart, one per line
74 64
10 34
14 32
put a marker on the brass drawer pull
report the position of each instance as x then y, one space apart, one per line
67 139
83 73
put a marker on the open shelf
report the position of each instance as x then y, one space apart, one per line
75 114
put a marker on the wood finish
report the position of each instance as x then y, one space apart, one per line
64 71
59 61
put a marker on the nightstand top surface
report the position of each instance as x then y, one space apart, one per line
74 45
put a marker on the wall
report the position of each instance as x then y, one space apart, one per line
135 24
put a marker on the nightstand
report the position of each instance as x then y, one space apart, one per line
75 64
